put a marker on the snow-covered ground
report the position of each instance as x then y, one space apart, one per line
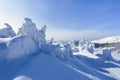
29 56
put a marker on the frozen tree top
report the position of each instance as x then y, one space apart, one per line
7 25
29 23
27 19
44 28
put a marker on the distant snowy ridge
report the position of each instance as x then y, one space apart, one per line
112 39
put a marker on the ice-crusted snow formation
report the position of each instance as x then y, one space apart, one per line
29 40
56 50
84 45
22 78
62 53
88 47
7 31
29 28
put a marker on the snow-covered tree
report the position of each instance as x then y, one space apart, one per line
51 41
76 43
41 36
89 46
106 53
29 28
68 52
58 52
7 31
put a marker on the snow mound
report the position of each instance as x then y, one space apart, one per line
16 47
113 39
22 78
20 46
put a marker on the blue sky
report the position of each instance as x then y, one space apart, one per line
66 19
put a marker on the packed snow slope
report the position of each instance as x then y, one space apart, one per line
112 39
38 67
29 56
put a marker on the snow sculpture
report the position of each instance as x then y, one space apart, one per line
22 78
106 54
7 32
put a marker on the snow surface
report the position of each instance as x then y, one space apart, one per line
22 78
28 56
112 39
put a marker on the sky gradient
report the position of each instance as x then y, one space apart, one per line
66 19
